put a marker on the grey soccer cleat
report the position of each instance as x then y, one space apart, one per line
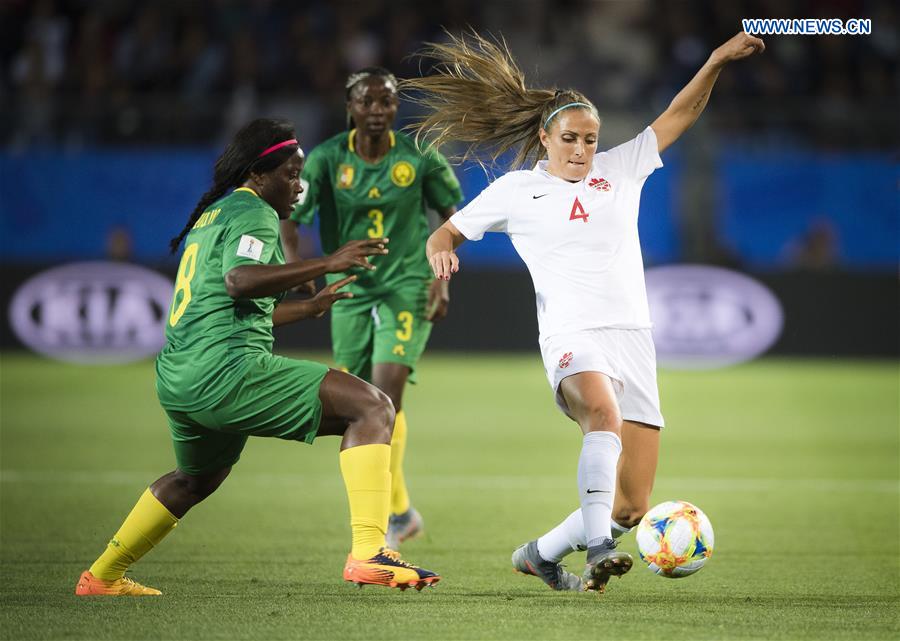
527 560
603 562
402 527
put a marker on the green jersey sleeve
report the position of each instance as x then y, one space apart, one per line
441 187
252 238
314 180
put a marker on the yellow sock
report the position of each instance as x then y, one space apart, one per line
367 476
144 527
399 495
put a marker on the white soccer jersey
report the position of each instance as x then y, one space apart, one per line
579 240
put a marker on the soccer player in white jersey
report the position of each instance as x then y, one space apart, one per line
573 220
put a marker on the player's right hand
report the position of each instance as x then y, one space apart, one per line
356 254
444 264
740 46
330 294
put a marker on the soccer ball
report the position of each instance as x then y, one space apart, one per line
675 539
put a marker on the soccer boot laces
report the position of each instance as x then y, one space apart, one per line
387 568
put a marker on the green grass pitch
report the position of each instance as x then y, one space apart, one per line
795 462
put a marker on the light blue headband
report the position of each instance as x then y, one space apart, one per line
571 104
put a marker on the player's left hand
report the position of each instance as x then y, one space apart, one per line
309 288
740 46
438 301
331 294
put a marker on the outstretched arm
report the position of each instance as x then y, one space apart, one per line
289 311
690 102
439 290
440 250
256 281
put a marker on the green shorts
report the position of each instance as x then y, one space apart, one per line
390 328
277 397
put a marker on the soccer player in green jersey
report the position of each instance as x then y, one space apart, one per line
219 382
371 182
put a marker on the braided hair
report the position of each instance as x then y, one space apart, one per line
240 158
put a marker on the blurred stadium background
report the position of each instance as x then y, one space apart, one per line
112 112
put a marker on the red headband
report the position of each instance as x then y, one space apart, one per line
292 141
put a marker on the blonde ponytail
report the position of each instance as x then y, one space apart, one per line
477 96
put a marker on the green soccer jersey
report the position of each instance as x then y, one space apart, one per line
208 333
357 200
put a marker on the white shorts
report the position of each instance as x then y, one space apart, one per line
627 356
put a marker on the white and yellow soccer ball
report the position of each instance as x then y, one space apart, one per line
675 539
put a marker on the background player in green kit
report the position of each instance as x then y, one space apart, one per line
219 382
371 182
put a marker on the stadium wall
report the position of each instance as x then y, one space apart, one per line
825 314
768 211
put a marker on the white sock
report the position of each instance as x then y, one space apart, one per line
568 537
597 483
565 538
619 530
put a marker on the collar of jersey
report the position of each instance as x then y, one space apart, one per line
351 139
247 189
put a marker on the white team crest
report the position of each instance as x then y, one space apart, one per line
250 247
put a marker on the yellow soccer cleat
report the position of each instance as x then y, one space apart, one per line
89 585
387 568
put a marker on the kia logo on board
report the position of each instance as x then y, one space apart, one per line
706 317
93 312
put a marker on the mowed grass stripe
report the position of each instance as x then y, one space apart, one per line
709 484
795 462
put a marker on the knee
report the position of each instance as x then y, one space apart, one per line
379 411
201 486
391 378
600 417
393 387
630 513
394 396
